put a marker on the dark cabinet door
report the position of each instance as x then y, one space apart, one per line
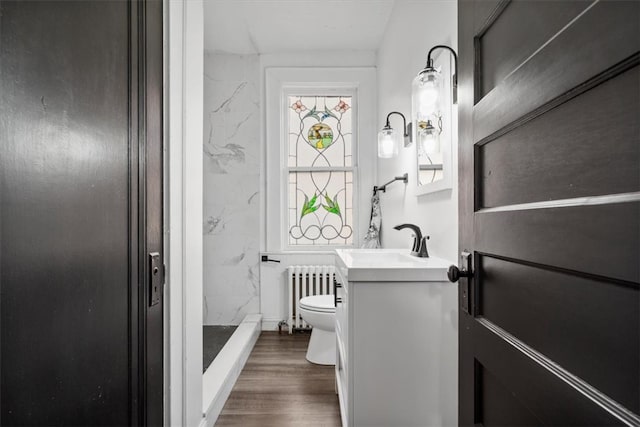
80 212
550 212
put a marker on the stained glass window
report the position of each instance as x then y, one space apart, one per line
320 170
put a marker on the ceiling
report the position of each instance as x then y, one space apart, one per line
279 26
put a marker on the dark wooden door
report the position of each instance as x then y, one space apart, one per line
550 212
80 213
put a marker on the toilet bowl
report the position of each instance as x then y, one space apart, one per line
319 311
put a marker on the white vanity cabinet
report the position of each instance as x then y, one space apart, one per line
396 331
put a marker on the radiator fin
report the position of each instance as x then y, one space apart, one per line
306 280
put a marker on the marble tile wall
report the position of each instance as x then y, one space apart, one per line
231 226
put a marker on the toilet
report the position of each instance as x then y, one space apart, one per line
319 311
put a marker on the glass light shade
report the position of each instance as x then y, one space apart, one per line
387 143
429 138
425 92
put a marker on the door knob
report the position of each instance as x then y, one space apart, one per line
454 273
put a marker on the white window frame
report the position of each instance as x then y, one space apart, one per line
360 84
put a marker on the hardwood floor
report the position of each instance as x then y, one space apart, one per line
278 387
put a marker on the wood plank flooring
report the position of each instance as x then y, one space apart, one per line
278 387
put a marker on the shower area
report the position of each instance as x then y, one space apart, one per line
214 337
231 231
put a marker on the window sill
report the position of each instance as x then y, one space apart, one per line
304 251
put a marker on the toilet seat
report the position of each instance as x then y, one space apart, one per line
318 303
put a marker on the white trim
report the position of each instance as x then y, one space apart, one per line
223 372
330 251
320 169
271 324
174 384
183 220
566 203
193 188
360 81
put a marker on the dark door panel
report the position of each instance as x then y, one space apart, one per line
523 27
568 318
544 159
71 220
534 390
64 225
550 211
601 240
572 56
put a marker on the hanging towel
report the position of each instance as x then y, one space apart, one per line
372 239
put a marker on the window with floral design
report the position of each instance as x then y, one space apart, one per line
320 170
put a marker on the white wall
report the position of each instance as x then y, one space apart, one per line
415 27
231 230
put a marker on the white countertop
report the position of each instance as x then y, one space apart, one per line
391 265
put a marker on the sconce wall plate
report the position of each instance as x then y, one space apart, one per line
408 138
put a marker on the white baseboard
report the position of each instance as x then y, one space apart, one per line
222 374
272 325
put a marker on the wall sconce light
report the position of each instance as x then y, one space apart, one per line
434 92
426 85
388 138
426 98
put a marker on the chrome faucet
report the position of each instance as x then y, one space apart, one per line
419 248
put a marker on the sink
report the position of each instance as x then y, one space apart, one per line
369 257
395 265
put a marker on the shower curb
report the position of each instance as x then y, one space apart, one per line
222 374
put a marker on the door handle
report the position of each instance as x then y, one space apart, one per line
454 274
